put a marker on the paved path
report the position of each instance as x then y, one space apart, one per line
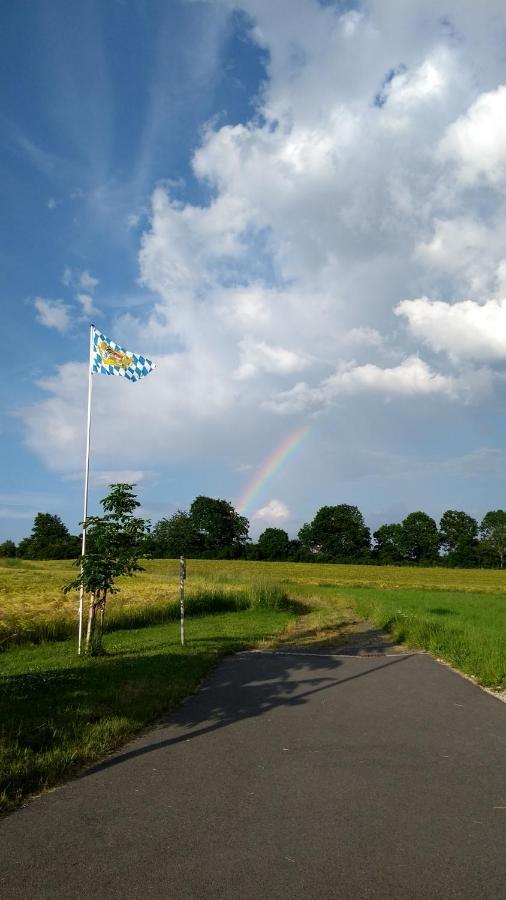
288 775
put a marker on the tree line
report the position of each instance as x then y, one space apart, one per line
213 529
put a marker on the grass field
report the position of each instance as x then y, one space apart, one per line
33 606
58 712
466 629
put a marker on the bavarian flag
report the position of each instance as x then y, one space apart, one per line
108 358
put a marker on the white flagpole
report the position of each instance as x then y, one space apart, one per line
86 480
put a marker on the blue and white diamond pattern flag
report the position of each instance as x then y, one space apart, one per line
108 358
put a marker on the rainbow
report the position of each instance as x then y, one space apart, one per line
271 465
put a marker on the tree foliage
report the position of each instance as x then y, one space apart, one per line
337 532
115 543
50 539
176 536
213 529
420 537
458 533
221 530
493 534
388 543
273 544
8 548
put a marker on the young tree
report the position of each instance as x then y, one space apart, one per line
458 536
274 543
420 537
337 532
114 544
493 534
221 529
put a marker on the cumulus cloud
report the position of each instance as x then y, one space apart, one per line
464 330
52 313
412 377
363 336
146 420
475 144
273 511
346 192
259 356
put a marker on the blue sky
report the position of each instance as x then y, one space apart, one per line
217 186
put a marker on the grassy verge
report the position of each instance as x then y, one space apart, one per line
468 630
59 713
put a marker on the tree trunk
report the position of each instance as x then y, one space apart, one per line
91 625
97 645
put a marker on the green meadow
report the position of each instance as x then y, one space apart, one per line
59 712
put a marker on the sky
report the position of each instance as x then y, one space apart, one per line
297 210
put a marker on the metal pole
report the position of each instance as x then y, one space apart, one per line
86 480
182 576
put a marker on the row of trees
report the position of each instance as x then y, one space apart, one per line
213 529
339 532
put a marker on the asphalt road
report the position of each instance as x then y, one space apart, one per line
286 776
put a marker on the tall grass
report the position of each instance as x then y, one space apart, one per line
467 630
59 625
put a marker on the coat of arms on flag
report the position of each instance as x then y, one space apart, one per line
108 358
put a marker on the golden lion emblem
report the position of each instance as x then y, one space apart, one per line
111 357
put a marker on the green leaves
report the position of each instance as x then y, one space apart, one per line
337 532
493 534
114 543
218 524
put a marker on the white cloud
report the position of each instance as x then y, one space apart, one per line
363 336
411 378
476 142
259 356
273 511
79 279
326 210
87 304
52 313
51 203
464 330
147 420
87 281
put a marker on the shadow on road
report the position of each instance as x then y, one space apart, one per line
246 686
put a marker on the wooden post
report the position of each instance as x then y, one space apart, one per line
182 577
